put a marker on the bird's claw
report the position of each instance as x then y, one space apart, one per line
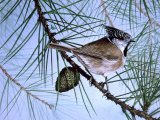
107 92
102 84
91 81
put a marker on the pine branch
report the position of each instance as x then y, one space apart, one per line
109 96
145 14
23 88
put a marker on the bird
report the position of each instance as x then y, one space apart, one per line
102 56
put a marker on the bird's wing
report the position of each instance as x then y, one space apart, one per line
67 49
102 48
98 55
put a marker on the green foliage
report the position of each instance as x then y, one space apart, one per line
26 56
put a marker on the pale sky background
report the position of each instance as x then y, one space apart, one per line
67 108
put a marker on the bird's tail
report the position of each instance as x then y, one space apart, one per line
65 49
60 47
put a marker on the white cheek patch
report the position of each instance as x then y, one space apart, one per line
120 44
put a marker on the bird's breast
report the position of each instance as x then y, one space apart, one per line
101 66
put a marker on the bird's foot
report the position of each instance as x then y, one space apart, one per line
106 92
102 84
91 81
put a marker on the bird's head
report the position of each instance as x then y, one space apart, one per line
119 35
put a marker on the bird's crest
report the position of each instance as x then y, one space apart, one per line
116 33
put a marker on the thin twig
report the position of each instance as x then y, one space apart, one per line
106 13
109 96
23 88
